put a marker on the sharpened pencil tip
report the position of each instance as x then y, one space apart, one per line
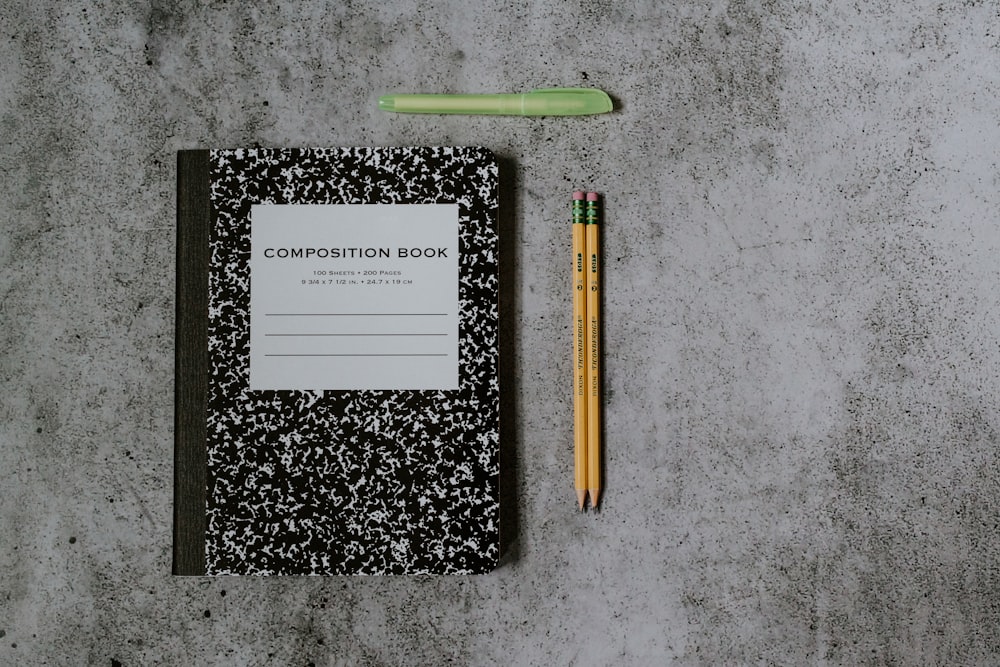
595 494
581 497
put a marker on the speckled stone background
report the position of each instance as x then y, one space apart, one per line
802 311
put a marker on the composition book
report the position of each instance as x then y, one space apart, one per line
337 396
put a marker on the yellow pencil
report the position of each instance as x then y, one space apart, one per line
579 350
593 343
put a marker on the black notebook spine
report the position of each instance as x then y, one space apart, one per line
191 362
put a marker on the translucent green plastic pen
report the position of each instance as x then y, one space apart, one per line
541 102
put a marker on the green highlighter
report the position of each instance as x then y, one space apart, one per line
541 102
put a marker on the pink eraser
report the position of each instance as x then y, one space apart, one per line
591 196
578 195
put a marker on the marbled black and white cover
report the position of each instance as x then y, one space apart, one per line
352 482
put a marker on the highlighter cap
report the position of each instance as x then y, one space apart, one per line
566 102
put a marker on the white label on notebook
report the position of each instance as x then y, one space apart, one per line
354 296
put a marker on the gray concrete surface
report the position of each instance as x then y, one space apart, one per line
802 366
